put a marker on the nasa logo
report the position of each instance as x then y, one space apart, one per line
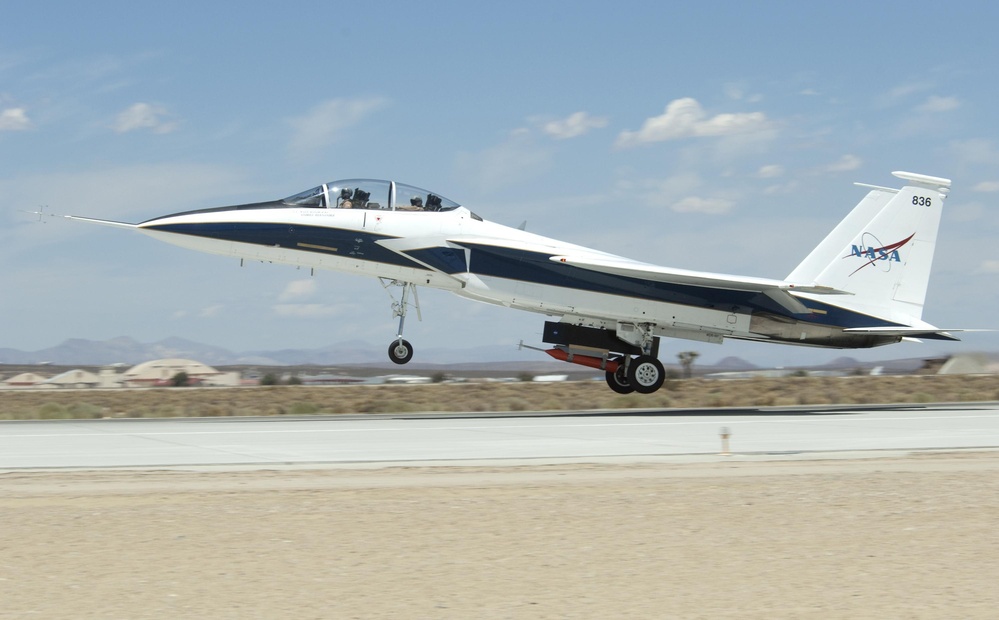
872 251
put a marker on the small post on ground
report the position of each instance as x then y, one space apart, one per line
725 434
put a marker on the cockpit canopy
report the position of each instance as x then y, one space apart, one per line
370 194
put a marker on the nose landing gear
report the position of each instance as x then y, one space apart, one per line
400 350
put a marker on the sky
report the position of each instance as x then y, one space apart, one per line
714 136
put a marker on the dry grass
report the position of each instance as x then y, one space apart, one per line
480 397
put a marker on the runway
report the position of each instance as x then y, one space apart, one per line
564 436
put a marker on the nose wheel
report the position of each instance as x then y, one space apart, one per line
400 351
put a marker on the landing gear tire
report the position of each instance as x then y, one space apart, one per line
618 380
646 374
400 351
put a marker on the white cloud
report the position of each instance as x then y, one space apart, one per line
574 126
323 124
737 92
298 289
901 94
144 116
974 151
846 163
685 118
657 193
989 266
205 313
211 311
710 206
516 159
14 119
771 171
986 186
939 104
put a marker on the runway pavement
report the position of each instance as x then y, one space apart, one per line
578 437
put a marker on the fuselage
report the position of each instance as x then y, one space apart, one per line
453 249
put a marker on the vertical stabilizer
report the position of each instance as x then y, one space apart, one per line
882 251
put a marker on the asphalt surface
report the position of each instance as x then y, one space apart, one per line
564 436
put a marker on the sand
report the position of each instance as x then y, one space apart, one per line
901 537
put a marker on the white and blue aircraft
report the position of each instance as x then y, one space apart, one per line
863 286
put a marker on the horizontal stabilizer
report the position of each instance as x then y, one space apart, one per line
930 333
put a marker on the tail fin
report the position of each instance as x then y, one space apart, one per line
882 251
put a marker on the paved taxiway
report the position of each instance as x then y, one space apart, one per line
422 438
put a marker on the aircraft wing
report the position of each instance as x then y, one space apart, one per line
778 290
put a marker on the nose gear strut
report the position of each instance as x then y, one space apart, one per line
400 351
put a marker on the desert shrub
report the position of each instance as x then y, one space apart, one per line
85 410
557 404
52 411
165 410
766 400
303 408
215 411
513 404
627 401
715 400
386 406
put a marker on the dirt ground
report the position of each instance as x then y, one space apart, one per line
901 537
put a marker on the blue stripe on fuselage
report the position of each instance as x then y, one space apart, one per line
303 238
535 267
444 259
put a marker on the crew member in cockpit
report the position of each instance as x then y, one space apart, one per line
415 204
345 196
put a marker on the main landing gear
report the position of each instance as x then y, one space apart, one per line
643 374
400 351
635 369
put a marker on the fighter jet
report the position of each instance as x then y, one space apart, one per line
863 286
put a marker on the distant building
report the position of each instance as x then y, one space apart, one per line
405 379
159 373
25 379
328 379
73 379
969 364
